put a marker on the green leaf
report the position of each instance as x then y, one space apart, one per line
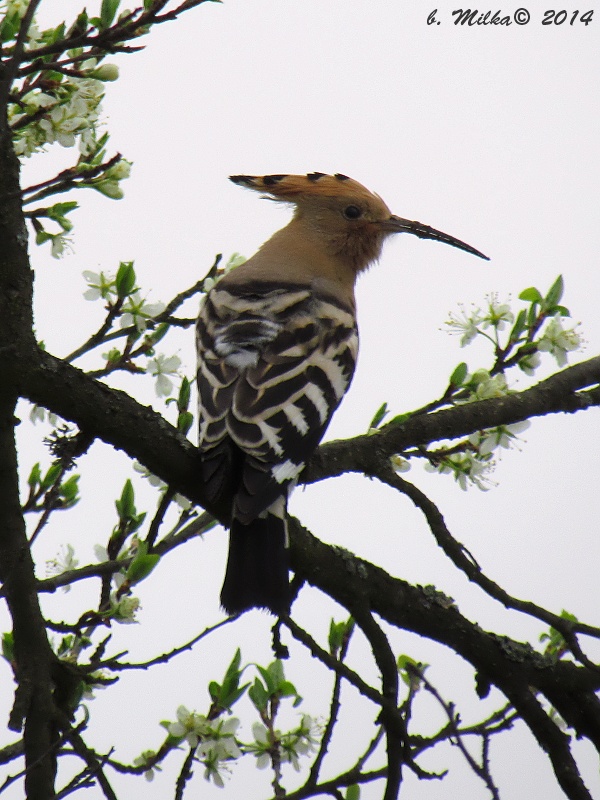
9 27
185 420
156 335
141 566
400 418
125 280
531 295
35 476
126 504
70 489
233 670
458 376
408 675
8 647
379 416
108 10
554 293
519 326
532 315
564 312
229 700
275 671
183 400
50 477
78 27
336 636
214 689
287 689
353 792
258 695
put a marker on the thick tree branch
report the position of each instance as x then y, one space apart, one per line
562 392
34 659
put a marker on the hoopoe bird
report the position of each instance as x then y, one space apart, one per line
277 344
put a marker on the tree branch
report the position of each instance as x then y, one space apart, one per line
562 392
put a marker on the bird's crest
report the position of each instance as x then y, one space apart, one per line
296 187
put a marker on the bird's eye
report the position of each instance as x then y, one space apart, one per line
352 212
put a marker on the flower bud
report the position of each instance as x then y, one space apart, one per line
106 72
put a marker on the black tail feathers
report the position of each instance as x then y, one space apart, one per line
257 567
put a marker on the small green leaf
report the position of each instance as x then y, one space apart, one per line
336 636
258 695
458 376
233 670
554 293
400 418
125 280
51 476
8 647
156 335
531 295
379 416
78 27
9 27
519 326
185 420
564 312
275 670
353 792
229 700
183 400
126 504
287 689
108 10
35 476
70 489
141 567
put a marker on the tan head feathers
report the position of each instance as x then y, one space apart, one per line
315 184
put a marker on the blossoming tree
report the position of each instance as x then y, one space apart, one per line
52 83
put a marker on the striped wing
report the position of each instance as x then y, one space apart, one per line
274 364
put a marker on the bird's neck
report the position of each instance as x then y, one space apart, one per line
297 255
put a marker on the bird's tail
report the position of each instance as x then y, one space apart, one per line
258 565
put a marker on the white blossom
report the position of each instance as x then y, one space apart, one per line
142 761
217 746
61 245
299 742
557 341
466 325
189 726
18 7
161 367
503 436
466 468
529 363
38 414
65 561
487 386
498 314
261 747
136 311
400 464
152 479
125 609
101 285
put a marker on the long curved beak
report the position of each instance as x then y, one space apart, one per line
398 225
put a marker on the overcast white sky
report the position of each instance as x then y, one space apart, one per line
487 133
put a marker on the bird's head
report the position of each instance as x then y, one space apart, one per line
350 221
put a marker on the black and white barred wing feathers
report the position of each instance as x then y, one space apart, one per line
274 364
